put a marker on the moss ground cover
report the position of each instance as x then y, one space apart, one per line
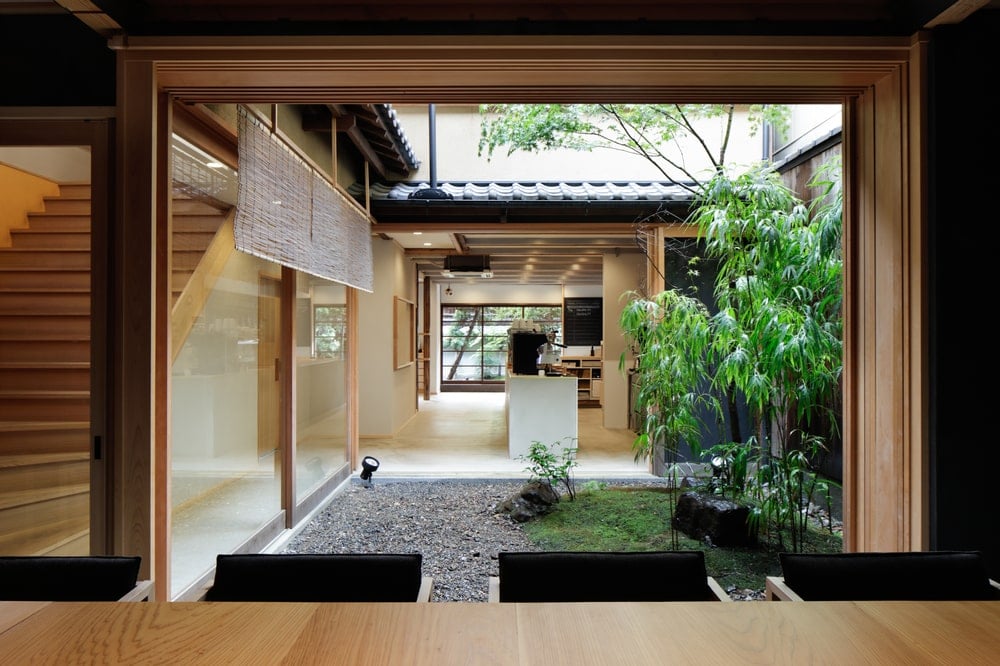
634 519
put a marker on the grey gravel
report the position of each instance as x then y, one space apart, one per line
450 522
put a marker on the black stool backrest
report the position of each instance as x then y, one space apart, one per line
917 576
67 578
603 576
324 577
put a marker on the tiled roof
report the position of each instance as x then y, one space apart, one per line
396 135
534 191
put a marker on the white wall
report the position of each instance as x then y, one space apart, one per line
485 291
458 128
813 120
60 164
387 396
621 274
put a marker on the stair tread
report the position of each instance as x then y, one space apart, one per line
17 426
9 500
45 290
45 364
41 269
46 230
42 393
32 459
42 249
11 313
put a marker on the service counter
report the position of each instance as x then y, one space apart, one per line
540 409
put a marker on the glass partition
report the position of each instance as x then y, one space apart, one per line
225 468
320 381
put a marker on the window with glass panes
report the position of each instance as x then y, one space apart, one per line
474 338
329 329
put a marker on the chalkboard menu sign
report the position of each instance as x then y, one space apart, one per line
583 321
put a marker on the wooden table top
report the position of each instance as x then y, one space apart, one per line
446 633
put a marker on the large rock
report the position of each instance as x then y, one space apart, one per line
712 518
535 498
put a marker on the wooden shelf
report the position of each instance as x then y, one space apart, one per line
590 384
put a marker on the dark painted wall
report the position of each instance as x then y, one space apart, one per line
54 60
965 142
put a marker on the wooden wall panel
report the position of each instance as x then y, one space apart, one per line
135 335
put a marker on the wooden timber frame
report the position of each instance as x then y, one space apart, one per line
881 83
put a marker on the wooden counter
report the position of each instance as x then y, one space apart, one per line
448 633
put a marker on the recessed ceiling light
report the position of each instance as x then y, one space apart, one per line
427 244
214 165
418 233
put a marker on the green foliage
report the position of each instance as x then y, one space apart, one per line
782 488
776 341
777 335
731 468
639 519
592 484
672 335
644 130
554 469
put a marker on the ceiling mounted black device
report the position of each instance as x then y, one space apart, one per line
432 192
467 265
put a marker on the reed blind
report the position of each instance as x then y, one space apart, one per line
288 213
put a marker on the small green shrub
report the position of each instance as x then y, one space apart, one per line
545 465
593 485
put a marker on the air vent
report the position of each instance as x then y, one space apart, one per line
467 265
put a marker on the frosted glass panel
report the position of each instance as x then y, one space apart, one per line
225 456
320 383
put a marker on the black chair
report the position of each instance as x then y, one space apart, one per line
72 578
324 577
569 576
891 576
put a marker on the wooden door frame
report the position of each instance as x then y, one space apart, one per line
880 81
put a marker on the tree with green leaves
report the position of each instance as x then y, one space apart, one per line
686 143
463 337
673 336
776 340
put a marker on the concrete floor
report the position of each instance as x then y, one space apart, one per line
455 435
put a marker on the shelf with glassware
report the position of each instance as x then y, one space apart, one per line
590 384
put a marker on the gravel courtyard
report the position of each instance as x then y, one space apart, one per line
450 522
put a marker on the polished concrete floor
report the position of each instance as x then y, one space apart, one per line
456 435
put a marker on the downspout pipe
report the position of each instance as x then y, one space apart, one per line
432 192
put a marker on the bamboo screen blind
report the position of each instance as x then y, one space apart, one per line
289 214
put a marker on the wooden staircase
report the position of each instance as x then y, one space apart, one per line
45 367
